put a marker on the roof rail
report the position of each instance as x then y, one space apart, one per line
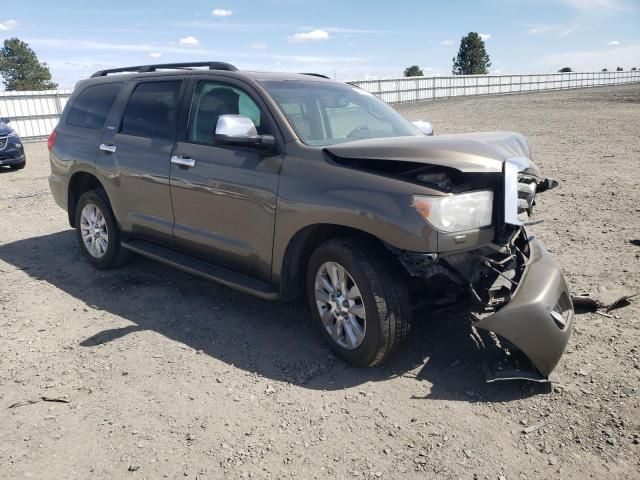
315 75
163 66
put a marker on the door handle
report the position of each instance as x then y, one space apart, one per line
183 161
109 148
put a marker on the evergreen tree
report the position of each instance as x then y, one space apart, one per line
472 57
21 69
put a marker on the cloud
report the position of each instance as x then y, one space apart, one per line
617 5
77 44
232 26
613 43
8 25
258 46
485 36
312 36
447 42
155 55
567 32
354 30
221 12
555 29
189 42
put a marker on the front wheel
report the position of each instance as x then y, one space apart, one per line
97 231
357 300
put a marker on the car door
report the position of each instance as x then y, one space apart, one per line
224 197
134 158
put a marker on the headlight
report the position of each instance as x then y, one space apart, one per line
456 213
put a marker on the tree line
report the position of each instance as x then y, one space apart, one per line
473 59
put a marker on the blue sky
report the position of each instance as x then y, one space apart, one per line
345 39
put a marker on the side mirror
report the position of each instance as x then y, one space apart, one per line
5 120
424 127
240 130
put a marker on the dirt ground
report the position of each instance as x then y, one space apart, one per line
168 376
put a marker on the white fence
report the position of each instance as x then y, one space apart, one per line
35 114
419 89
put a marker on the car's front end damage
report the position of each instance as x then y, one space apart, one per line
486 259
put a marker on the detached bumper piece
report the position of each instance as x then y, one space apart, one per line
529 305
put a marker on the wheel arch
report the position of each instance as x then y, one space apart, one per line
80 183
304 242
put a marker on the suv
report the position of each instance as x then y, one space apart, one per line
11 149
282 185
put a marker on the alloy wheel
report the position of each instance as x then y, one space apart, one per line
94 231
340 305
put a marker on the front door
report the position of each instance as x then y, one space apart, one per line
224 197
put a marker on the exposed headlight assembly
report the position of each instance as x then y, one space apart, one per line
456 213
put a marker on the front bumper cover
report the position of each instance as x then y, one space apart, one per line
538 319
12 154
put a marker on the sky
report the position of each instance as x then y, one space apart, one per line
347 40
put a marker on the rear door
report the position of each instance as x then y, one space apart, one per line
225 202
79 132
135 158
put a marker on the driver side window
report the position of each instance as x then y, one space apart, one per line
212 99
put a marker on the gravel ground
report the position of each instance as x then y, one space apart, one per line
169 376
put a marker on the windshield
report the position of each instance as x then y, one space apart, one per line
329 113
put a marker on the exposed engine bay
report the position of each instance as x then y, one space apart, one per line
485 277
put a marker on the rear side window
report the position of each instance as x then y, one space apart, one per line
92 106
151 111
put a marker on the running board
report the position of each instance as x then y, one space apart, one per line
200 268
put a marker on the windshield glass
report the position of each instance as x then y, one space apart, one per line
329 113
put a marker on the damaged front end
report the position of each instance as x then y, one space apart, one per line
514 289
519 293
482 191
510 285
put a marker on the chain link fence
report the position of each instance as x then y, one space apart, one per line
35 114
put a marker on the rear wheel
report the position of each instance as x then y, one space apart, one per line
97 231
357 300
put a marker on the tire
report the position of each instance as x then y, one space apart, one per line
383 294
103 227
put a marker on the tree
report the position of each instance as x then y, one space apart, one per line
472 56
619 69
633 69
413 71
605 70
21 69
565 70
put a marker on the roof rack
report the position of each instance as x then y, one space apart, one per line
315 75
163 66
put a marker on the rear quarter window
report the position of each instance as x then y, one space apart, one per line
91 107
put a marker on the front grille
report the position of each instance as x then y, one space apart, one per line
3 142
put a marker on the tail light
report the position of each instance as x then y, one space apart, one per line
51 140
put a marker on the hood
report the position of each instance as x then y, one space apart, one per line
483 152
5 129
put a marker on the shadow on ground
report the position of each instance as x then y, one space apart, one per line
271 339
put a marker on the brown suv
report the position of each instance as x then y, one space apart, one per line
283 185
